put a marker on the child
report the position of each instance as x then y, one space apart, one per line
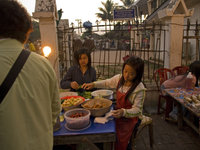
130 97
80 73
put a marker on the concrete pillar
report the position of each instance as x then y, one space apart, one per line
149 6
167 48
176 40
46 13
174 15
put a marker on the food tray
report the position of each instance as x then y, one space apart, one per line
66 107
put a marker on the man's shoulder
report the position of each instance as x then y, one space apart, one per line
38 57
41 61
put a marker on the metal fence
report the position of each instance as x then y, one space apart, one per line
110 43
191 43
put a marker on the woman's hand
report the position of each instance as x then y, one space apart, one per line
74 85
88 86
117 113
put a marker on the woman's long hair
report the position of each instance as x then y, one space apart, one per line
138 65
194 68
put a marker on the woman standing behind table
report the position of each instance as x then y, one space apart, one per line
130 98
80 73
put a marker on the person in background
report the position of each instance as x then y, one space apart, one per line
80 73
26 45
179 81
130 98
31 46
32 105
195 69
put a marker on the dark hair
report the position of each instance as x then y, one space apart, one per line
194 68
78 53
138 65
15 20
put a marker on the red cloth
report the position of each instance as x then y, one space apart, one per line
124 126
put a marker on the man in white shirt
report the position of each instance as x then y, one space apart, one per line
31 106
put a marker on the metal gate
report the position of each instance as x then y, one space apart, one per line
110 43
191 41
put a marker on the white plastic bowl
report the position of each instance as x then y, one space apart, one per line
77 123
103 93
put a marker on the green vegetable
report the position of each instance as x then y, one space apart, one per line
85 94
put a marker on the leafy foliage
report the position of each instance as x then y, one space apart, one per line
107 11
35 35
127 3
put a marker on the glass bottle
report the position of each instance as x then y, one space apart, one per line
188 82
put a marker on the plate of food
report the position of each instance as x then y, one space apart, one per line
69 102
64 94
85 94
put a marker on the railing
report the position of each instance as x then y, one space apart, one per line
112 42
191 43
109 43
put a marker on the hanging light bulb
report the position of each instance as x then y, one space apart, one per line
46 51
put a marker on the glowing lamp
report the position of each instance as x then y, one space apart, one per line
46 51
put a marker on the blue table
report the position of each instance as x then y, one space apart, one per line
96 133
178 95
